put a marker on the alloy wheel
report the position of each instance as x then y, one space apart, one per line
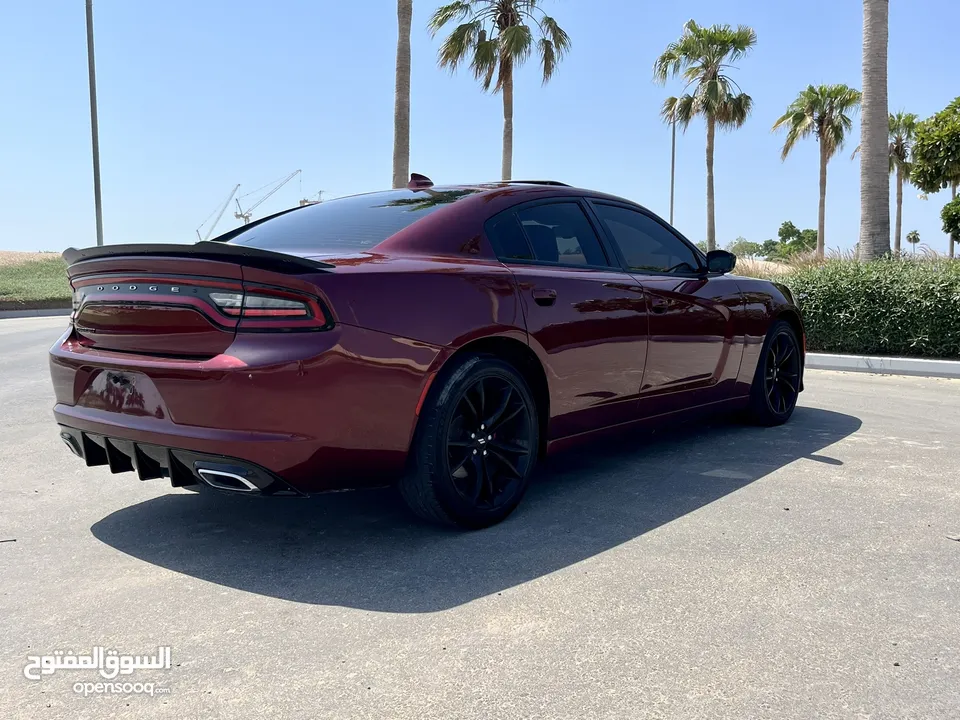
488 442
782 373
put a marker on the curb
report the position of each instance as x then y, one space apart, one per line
49 312
884 365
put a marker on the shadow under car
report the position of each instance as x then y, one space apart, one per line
363 550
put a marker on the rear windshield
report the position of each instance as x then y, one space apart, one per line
351 223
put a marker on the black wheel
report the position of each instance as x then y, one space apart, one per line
475 446
776 384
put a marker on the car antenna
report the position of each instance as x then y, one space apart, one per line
418 182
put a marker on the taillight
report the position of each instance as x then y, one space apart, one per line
278 310
228 303
263 306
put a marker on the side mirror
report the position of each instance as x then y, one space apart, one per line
720 261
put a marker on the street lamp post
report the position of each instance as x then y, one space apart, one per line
94 129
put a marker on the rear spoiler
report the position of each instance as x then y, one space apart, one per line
238 254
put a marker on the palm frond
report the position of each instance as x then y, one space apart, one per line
832 137
669 64
486 54
487 78
681 110
555 34
734 111
741 40
798 124
457 10
516 42
712 93
548 58
668 112
458 44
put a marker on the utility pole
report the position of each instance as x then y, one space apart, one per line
94 128
673 164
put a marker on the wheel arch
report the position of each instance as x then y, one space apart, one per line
792 316
513 351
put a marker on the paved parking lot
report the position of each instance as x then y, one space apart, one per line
713 572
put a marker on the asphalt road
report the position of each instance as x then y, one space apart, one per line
709 572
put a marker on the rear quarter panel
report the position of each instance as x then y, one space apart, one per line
401 318
441 301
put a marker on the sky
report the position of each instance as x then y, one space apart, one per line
196 96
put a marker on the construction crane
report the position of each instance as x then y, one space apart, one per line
223 209
245 215
310 200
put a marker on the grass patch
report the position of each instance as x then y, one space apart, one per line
34 284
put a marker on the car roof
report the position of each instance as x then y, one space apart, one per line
446 229
523 190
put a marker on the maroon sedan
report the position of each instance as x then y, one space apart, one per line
440 338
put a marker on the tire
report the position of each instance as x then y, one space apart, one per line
776 383
487 485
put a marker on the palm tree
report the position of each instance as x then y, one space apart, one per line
913 237
874 162
496 39
401 103
824 112
903 129
703 56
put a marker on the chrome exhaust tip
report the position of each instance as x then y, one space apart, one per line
223 480
71 443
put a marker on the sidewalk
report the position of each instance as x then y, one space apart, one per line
885 365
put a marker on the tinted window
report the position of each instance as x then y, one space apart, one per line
645 243
560 232
508 239
351 223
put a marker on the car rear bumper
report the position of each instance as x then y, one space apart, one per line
317 412
182 467
140 444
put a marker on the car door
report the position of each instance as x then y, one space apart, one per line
693 347
586 317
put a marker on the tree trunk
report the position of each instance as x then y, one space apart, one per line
899 224
874 146
673 164
711 219
822 212
401 102
953 196
506 172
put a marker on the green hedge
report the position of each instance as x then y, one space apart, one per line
889 307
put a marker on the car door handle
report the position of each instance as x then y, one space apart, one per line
659 305
544 296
